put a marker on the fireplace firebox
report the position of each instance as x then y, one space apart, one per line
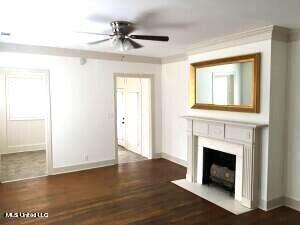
219 168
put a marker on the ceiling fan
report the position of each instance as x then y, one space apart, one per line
122 38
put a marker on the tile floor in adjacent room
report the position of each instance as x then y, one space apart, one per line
16 166
126 156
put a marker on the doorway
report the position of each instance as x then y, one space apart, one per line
25 140
134 117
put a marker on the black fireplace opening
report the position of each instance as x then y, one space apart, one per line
219 168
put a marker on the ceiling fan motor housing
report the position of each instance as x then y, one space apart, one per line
121 27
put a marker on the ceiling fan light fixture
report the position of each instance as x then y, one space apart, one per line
117 44
122 44
127 45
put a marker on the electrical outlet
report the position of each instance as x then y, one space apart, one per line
85 157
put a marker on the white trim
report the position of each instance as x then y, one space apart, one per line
157 155
271 32
24 148
80 167
170 158
226 147
292 203
254 35
43 50
275 203
29 178
48 126
278 202
173 159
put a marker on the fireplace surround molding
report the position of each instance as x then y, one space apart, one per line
241 139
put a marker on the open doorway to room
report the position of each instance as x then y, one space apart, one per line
24 124
134 117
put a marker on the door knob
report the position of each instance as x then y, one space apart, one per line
123 122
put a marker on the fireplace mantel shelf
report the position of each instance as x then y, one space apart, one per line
229 122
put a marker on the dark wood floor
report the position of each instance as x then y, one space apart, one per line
134 193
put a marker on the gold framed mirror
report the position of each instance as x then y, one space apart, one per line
228 84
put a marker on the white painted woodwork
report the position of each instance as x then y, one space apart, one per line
239 133
232 137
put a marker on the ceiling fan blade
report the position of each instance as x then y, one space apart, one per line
134 44
150 37
100 41
82 32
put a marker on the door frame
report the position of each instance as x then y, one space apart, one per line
151 127
48 120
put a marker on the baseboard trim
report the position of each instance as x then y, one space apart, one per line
156 156
292 203
174 159
275 203
75 168
278 202
24 148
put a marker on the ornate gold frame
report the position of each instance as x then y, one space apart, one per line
254 108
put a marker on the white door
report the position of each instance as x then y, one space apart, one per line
133 118
121 116
129 113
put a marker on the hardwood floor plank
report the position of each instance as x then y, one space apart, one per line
128 194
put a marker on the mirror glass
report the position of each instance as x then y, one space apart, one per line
229 84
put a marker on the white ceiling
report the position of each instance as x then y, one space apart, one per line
53 22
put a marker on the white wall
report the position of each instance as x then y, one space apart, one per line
146 117
25 135
277 123
82 103
293 130
175 102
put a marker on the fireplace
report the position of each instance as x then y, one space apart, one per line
213 144
219 168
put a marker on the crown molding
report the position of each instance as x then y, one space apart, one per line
258 34
43 50
250 36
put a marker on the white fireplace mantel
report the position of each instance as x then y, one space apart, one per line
239 138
